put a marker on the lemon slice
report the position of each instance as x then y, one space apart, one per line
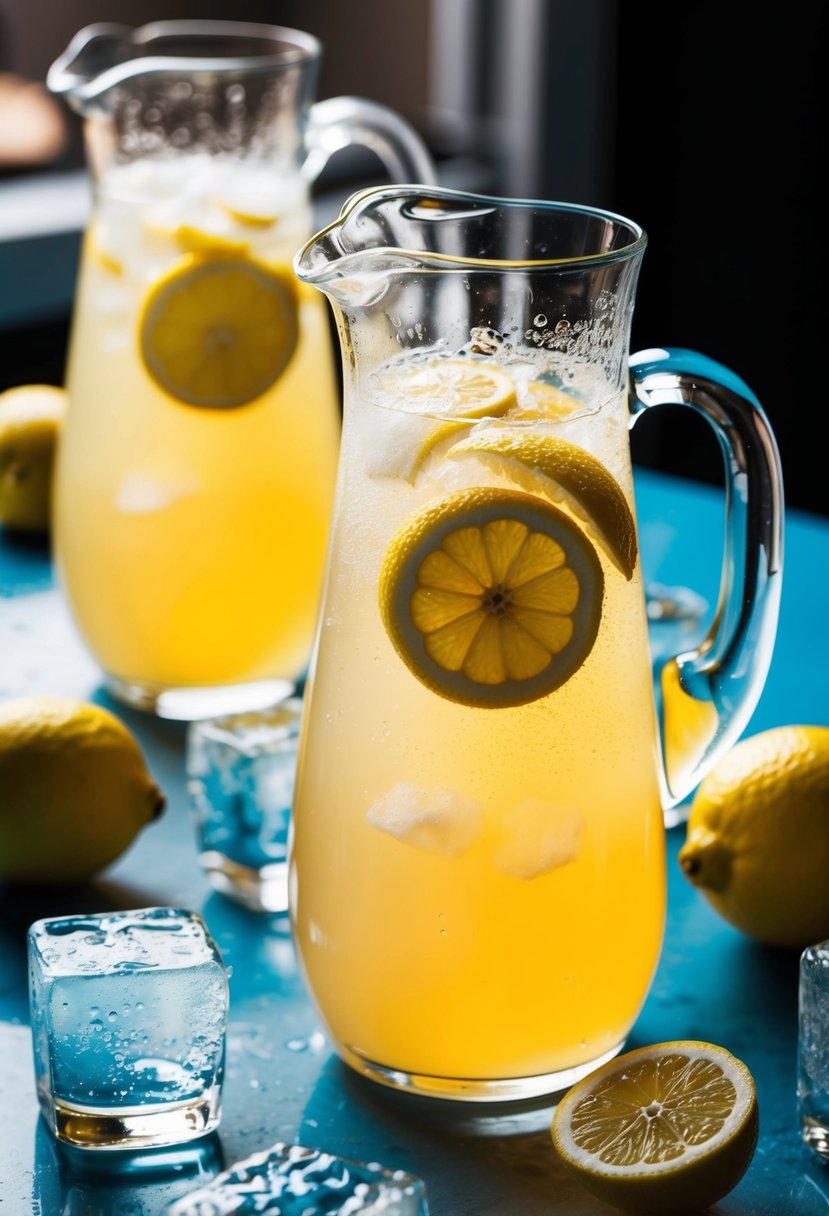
580 480
191 239
247 217
548 401
218 332
491 597
449 429
449 388
668 1128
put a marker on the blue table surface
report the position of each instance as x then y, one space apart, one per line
283 1080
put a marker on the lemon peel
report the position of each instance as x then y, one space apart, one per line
757 837
666 1128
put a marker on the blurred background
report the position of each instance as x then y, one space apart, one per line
705 127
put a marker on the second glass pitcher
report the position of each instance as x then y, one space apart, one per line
196 469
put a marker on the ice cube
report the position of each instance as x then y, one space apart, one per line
128 1015
439 821
537 837
290 1180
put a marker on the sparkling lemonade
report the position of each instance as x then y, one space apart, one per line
196 471
478 873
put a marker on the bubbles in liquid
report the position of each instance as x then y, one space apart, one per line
539 319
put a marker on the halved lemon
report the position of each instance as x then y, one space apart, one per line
218 333
491 597
574 475
668 1128
448 388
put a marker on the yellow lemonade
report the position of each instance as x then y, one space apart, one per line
197 464
478 888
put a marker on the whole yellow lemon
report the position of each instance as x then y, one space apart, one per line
75 790
757 841
30 420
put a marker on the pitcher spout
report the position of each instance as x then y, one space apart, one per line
82 73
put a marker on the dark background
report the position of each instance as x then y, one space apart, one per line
706 126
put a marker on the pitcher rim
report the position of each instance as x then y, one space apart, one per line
301 48
442 261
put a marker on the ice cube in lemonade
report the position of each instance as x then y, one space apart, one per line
128 1014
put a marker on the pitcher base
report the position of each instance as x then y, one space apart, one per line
550 1085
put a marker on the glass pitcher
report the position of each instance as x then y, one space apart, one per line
477 869
196 470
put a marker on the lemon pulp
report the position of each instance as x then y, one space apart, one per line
667 1128
492 597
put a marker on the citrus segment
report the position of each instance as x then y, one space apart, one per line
448 388
582 481
491 597
667 1128
218 332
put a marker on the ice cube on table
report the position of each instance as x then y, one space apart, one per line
241 769
128 1014
291 1180
813 1048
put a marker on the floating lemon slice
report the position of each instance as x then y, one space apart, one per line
101 255
191 239
218 332
577 478
491 597
248 217
449 388
669 1128
452 428
548 401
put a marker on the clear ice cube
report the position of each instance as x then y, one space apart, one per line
241 770
128 1013
291 1180
813 1048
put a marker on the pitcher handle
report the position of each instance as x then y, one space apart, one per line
339 122
708 694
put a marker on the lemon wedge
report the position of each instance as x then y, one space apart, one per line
668 1128
491 597
218 332
574 475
